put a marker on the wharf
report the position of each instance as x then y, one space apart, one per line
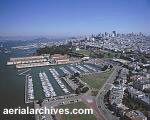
33 65
26 91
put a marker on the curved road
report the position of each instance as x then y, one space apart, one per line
100 97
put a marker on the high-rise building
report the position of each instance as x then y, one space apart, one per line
106 34
114 33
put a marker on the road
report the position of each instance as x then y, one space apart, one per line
100 97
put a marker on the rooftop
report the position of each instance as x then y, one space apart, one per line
135 115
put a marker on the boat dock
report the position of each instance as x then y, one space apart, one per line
91 68
47 87
29 92
23 73
82 68
65 71
74 69
56 76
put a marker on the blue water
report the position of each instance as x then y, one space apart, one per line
12 86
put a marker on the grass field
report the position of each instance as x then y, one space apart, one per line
77 116
106 54
85 52
109 54
96 80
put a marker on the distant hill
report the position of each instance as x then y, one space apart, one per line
22 38
32 38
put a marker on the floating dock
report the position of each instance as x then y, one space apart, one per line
56 76
47 87
29 92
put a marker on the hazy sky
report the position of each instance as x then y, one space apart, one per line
73 17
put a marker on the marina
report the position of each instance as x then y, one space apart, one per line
47 81
91 68
74 69
65 71
56 76
82 68
47 87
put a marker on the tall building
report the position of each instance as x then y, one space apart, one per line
106 34
114 33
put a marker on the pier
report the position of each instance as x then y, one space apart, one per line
33 65
32 61
82 68
65 71
91 68
47 87
56 76
74 69
29 92
23 73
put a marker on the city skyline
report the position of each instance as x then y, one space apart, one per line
67 18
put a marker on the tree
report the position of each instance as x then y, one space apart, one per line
78 91
85 89
111 66
61 49
104 68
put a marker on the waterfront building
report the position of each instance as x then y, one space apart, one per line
60 59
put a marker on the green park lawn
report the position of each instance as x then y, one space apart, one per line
85 52
104 54
96 80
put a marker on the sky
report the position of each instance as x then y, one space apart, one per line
73 17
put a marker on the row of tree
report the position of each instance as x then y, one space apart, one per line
61 49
